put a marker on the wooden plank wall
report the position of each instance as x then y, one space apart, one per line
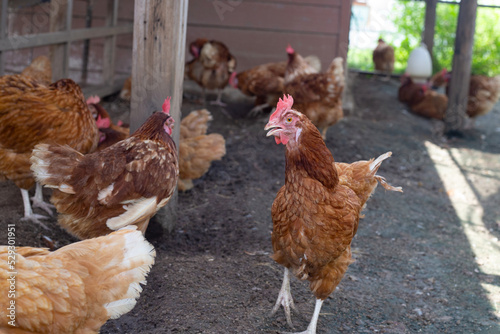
35 19
258 31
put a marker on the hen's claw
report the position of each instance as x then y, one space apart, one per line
47 207
35 218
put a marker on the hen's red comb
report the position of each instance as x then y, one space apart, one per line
283 104
93 99
289 49
166 106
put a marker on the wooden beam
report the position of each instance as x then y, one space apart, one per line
60 19
459 83
108 72
35 40
158 70
3 33
430 24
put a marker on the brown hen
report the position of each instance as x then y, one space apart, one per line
197 150
316 213
40 69
77 288
317 95
33 113
211 67
266 81
124 184
383 57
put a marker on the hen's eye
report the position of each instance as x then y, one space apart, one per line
288 119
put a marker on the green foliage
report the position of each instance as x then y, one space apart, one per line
409 19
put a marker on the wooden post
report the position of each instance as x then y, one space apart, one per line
459 83
430 24
108 71
61 12
158 70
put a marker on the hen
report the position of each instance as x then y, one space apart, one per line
33 113
266 82
124 184
316 213
40 69
383 57
484 91
409 92
197 150
77 288
431 104
317 95
126 92
109 133
211 67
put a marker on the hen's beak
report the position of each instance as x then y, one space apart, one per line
273 127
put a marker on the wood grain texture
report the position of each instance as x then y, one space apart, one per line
459 83
158 69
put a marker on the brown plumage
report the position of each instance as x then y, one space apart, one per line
266 81
124 184
40 69
126 92
109 133
33 113
77 288
484 91
409 92
317 95
383 57
431 105
197 150
421 100
211 67
316 213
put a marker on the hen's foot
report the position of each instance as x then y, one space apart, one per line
258 110
47 207
218 103
34 218
311 329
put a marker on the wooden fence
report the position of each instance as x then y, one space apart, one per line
61 35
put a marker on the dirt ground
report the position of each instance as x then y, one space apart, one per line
416 268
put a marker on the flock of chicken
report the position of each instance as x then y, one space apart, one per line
108 183
426 99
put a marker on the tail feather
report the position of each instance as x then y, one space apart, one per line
124 260
375 165
195 124
52 165
83 284
138 257
336 70
314 62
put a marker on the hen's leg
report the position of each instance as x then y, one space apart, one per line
311 329
38 200
219 102
257 110
323 132
28 212
285 298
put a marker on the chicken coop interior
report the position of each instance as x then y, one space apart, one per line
211 166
